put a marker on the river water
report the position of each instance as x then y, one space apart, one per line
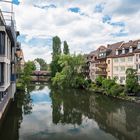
42 113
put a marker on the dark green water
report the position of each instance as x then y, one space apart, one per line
46 114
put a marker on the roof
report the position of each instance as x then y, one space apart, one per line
130 43
113 48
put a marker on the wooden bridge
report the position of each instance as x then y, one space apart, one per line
41 76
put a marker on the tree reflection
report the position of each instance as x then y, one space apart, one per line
69 108
119 118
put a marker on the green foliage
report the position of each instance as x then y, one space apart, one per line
54 66
109 86
99 81
42 63
56 46
131 85
71 74
66 48
116 90
26 76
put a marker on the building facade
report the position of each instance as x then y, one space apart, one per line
113 60
8 42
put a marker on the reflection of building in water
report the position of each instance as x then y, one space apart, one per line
117 121
37 65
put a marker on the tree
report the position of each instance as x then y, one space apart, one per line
55 67
28 69
42 63
56 47
131 85
66 48
71 74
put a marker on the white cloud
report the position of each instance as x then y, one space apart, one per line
82 32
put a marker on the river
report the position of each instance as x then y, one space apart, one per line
42 113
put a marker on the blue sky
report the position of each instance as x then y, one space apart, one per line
85 24
15 2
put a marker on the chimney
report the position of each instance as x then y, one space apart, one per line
108 45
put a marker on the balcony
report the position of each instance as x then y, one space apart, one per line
101 72
101 65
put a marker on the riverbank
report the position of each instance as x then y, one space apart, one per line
133 99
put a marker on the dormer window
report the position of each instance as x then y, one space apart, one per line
123 51
130 49
138 45
117 52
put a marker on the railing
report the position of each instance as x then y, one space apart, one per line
7 13
101 65
2 17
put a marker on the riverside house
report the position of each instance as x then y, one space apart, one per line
113 60
8 44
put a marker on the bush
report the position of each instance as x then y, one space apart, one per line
107 84
116 90
99 81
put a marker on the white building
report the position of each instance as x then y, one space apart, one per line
8 44
37 65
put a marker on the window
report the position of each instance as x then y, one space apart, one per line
117 52
115 68
122 68
1 73
130 49
138 45
122 79
122 59
130 59
123 51
116 60
2 43
137 67
136 57
108 61
138 77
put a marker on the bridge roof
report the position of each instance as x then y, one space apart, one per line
41 72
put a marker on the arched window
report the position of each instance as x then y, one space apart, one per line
117 52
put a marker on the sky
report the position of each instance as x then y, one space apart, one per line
84 24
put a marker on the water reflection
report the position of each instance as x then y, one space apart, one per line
10 124
43 113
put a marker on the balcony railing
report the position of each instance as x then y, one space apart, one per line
101 72
101 65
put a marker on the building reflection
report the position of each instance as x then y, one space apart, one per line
10 124
121 119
